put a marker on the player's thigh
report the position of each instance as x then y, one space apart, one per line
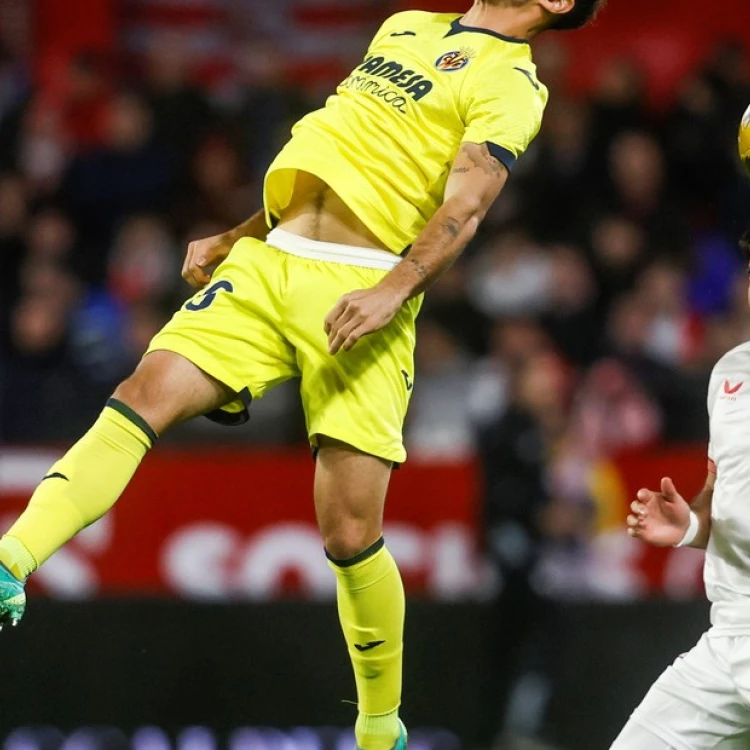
739 659
350 491
636 737
166 389
694 705
231 329
359 397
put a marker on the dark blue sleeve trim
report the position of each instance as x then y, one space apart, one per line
504 156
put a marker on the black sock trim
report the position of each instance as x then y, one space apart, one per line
133 417
369 552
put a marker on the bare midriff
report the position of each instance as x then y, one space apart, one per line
316 212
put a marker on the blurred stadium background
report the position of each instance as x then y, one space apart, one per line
561 363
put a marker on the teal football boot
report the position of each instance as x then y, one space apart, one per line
12 598
403 738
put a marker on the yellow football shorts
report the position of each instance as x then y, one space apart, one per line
259 322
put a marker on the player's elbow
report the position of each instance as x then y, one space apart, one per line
474 220
472 225
470 211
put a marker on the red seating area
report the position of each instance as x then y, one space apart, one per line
667 38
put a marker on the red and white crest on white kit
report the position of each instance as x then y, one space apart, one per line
730 389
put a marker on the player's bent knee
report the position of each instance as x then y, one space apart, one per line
348 538
142 397
166 389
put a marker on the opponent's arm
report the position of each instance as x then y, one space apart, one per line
204 255
475 181
701 506
663 518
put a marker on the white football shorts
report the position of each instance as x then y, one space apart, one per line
701 702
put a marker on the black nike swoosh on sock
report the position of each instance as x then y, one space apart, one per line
368 646
56 475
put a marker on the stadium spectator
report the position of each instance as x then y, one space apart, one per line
439 423
182 115
216 190
130 173
13 218
264 106
521 518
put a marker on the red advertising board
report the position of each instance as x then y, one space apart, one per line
674 572
233 524
230 523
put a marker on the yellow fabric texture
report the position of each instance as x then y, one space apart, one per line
371 606
260 322
385 142
81 487
377 732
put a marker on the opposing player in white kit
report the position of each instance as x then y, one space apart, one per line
702 702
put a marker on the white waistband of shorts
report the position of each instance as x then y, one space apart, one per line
365 257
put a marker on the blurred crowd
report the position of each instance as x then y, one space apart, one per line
102 185
602 288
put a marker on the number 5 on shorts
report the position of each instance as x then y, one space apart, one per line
209 295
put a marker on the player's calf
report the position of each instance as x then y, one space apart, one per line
350 489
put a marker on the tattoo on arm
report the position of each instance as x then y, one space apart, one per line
486 161
446 234
452 227
420 268
481 158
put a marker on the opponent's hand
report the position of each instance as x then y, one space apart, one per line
659 518
359 313
202 258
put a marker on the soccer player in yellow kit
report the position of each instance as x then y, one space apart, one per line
372 198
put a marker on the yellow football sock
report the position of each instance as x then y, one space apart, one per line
371 609
79 489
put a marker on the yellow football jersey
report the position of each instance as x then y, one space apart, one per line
385 142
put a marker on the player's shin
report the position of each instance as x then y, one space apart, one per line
79 489
371 607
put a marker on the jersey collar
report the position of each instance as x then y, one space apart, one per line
458 28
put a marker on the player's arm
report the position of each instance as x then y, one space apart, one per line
665 519
203 256
475 182
476 179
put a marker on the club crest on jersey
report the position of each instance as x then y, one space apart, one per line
453 61
731 390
